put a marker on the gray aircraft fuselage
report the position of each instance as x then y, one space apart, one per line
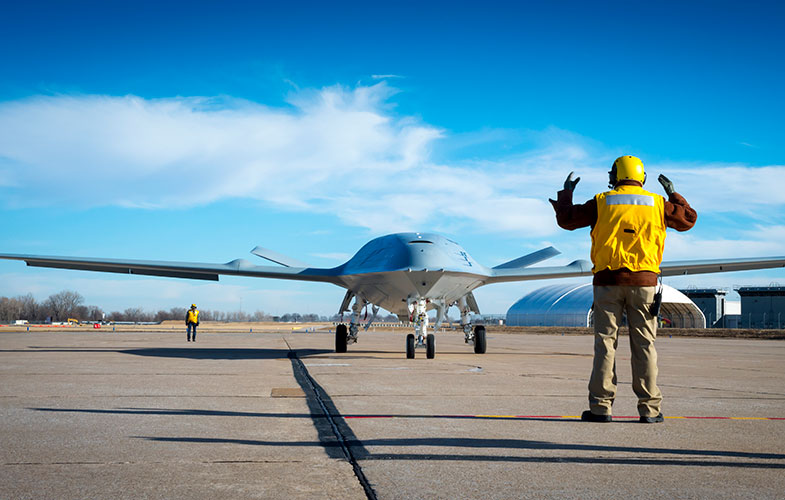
389 269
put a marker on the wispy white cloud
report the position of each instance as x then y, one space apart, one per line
757 241
385 77
727 188
337 151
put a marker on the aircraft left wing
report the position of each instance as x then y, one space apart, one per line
189 270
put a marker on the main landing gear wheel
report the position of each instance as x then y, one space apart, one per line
410 346
340 338
479 339
430 346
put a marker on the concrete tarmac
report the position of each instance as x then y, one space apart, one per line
280 415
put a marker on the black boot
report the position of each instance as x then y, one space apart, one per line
652 420
588 416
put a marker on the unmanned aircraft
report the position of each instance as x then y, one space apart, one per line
404 273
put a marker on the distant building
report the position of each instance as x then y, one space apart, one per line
571 305
713 304
762 307
491 319
732 313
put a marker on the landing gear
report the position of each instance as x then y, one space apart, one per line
472 335
343 335
479 339
419 316
354 323
340 338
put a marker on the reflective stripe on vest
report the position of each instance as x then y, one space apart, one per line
629 199
630 230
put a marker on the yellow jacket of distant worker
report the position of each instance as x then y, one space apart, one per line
630 230
193 316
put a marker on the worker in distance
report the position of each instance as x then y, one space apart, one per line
628 227
191 322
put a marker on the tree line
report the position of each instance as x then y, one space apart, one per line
61 306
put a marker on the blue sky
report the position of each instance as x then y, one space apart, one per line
196 131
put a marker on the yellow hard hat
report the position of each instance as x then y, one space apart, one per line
627 168
193 305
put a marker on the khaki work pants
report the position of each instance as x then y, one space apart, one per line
610 302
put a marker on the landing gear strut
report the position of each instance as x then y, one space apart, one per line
419 316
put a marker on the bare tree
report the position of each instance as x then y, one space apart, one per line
9 309
69 304
31 309
63 304
261 316
136 314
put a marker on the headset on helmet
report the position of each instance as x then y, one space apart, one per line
627 168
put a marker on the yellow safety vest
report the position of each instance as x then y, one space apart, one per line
630 230
193 315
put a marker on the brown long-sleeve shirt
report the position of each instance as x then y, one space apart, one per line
679 215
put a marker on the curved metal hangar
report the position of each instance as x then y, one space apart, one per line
571 305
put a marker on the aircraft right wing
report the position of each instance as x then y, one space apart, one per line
528 260
676 268
576 268
188 270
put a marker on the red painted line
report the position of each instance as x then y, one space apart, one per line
538 416
510 417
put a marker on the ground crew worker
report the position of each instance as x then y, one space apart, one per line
628 235
192 321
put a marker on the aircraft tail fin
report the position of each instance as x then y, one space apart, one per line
278 258
528 260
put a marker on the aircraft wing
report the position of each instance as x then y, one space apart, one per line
189 270
576 268
676 268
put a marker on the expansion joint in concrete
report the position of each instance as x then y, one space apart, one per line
314 392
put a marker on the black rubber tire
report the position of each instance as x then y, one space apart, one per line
410 346
430 346
479 339
340 338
